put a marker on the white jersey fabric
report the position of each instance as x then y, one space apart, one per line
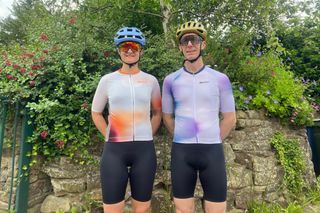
196 99
129 99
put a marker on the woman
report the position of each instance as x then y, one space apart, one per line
130 95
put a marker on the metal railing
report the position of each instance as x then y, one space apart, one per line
18 187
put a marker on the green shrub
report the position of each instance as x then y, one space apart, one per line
290 156
263 83
263 207
56 83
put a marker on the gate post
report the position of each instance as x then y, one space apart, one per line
24 168
3 118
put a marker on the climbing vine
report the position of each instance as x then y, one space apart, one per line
290 156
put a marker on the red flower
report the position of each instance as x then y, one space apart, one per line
16 66
32 83
23 70
35 66
43 134
106 54
0 70
73 20
43 37
10 77
60 144
45 51
27 55
31 74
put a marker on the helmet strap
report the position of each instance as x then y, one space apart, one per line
130 64
195 59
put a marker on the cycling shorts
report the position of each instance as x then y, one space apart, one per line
133 161
187 160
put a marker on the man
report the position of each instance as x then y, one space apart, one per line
199 110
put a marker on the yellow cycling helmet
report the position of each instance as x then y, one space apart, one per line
191 27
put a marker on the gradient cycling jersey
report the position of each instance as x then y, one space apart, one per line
196 99
129 98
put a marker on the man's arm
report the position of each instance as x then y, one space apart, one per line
227 123
168 121
100 122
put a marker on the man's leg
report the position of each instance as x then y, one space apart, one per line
184 205
183 177
213 179
215 207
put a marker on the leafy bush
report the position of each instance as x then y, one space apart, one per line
56 82
160 58
301 40
263 207
262 82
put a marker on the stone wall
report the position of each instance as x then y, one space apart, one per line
252 168
253 171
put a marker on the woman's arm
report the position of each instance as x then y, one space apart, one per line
155 120
100 122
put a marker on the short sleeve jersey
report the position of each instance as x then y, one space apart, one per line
196 101
129 98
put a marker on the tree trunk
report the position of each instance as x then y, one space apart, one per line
166 13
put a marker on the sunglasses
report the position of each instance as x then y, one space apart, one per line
194 39
133 46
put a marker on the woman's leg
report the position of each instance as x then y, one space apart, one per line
114 177
142 174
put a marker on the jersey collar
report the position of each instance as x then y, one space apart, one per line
194 73
128 73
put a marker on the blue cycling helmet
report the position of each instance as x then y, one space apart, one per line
129 34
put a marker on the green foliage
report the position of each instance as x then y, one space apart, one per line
89 204
226 52
301 40
263 207
73 210
144 14
310 199
262 82
56 76
313 195
290 156
159 58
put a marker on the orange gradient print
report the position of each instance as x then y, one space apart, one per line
119 125
156 102
122 124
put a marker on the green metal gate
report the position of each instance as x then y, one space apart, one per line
313 133
16 186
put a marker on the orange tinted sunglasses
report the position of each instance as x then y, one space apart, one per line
125 46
